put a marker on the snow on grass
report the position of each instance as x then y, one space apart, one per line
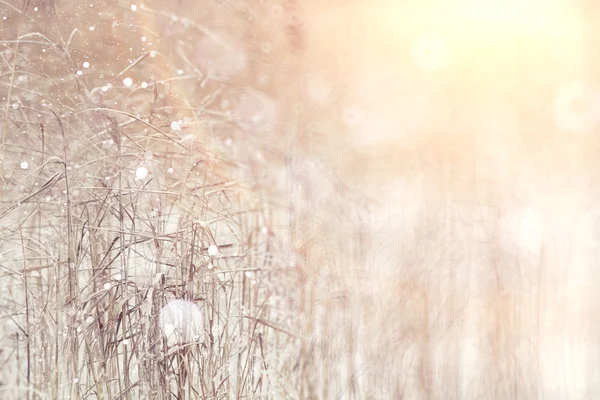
181 322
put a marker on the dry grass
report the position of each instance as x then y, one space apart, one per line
91 253
341 270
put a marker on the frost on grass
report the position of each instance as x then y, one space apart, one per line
120 209
181 322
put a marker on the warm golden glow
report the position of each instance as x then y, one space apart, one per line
306 199
479 32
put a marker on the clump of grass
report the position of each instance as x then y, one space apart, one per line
138 192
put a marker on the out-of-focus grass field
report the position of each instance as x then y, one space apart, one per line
299 199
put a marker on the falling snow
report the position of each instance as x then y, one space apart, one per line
213 250
141 173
